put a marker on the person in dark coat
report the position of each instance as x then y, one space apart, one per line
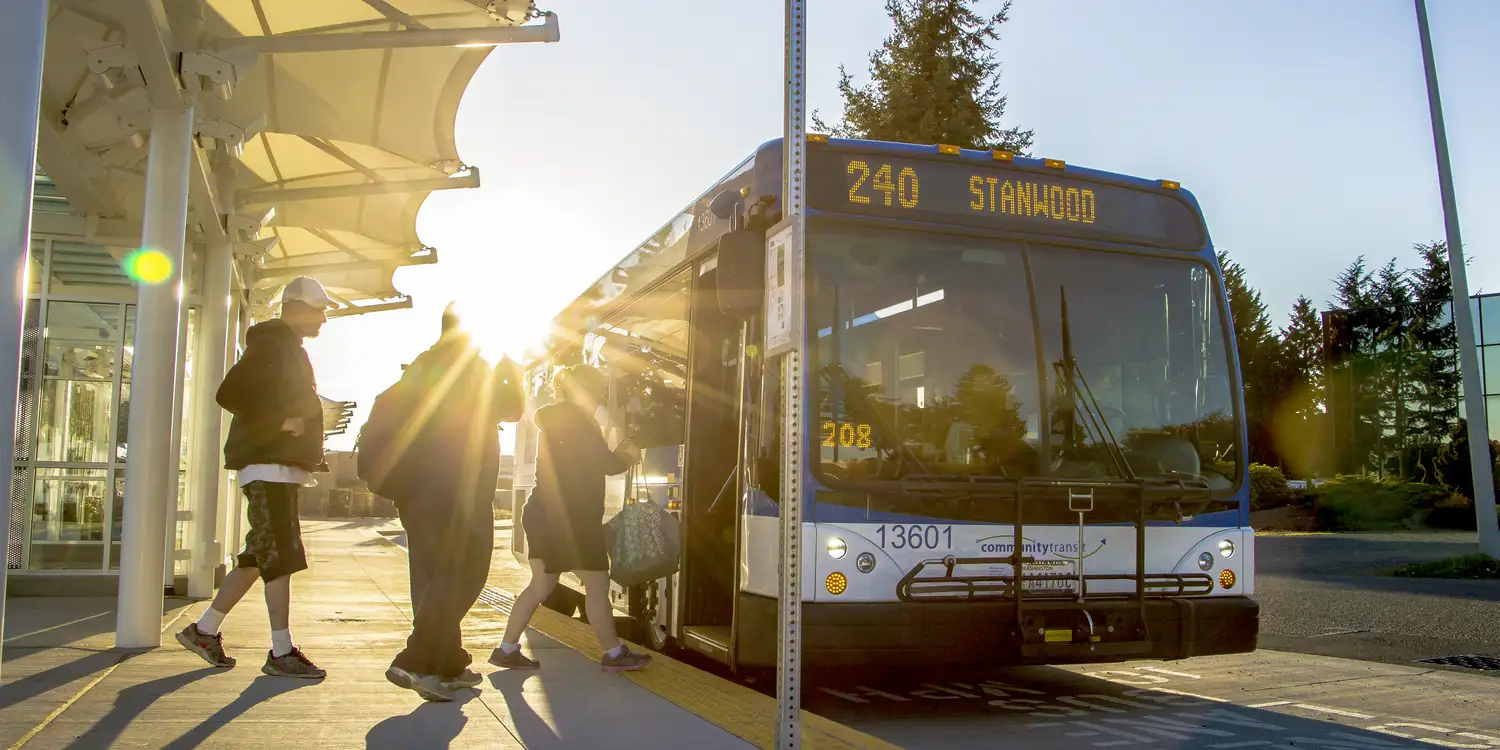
564 517
444 491
275 444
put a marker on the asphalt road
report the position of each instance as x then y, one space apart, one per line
1272 699
1330 595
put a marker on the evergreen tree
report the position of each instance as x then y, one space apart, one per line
1262 364
934 80
1302 420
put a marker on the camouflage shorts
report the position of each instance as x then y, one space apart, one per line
274 542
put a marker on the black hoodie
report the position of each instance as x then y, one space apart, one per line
272 382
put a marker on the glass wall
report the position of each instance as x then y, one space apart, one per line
1487 334
76 397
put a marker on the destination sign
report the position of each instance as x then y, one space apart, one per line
967 192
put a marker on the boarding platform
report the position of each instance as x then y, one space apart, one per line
65 685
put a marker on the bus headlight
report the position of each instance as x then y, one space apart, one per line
1206 562
1226 549
837 548
865 562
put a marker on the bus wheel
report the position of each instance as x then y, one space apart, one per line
649 623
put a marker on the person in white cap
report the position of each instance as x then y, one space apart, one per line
275 443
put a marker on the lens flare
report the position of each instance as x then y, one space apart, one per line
148 266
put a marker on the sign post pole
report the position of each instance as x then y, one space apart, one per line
1468 355
784 336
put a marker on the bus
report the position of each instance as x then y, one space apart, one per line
1022 434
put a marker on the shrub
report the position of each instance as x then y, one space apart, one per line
1456 512
1360 503
1468 567
1268 488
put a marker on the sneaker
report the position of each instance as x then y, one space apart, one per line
210 647
292 664
429 686
469 679
513 660
625 661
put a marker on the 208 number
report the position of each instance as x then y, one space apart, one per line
915 536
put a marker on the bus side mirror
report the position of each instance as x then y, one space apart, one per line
741 273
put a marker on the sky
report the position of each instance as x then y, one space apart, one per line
1302 128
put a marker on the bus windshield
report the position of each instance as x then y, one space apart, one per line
938 355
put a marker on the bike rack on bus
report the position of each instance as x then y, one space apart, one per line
1148 495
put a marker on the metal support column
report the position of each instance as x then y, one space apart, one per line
232 508
204 459
158 312
174 477
789 615
1463 319
21 39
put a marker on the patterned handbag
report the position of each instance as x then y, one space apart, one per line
645 543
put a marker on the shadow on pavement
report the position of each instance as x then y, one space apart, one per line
260 690
1045 707
431 725
87 664
533 731
132 702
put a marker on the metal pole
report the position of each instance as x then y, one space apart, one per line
21 39
1468 355
174 476
789 615
229 507
208 371
151 456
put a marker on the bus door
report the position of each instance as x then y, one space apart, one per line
710 507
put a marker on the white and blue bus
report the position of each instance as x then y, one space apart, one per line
1023 440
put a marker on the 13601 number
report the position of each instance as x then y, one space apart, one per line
916 536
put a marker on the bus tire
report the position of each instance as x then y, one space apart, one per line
648 633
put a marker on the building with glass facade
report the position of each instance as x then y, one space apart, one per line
243 157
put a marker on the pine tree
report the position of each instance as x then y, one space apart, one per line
934 80
1432 367
1262 364
1302 419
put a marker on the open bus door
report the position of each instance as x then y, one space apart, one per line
710 507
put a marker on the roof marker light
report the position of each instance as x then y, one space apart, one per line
1170 184
817 137
1055 163
1003 155
944 148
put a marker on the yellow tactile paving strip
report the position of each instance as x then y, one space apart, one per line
737 709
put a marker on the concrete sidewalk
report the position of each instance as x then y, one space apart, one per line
64 686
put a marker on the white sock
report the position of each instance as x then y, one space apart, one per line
281 642
616 651
510 648
209 622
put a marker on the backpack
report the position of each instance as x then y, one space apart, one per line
382 464
374 458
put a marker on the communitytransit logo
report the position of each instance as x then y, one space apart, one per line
1004 545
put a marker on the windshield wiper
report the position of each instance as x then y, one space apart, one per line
1093 414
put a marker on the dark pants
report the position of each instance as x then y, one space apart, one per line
449 551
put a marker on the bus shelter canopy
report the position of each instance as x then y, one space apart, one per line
321 126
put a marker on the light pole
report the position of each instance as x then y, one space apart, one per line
21 39
1468 354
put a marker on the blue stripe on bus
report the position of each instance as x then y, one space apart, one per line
820 512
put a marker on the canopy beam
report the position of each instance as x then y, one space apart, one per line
289 195
484 36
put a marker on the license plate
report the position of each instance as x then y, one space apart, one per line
1051 586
